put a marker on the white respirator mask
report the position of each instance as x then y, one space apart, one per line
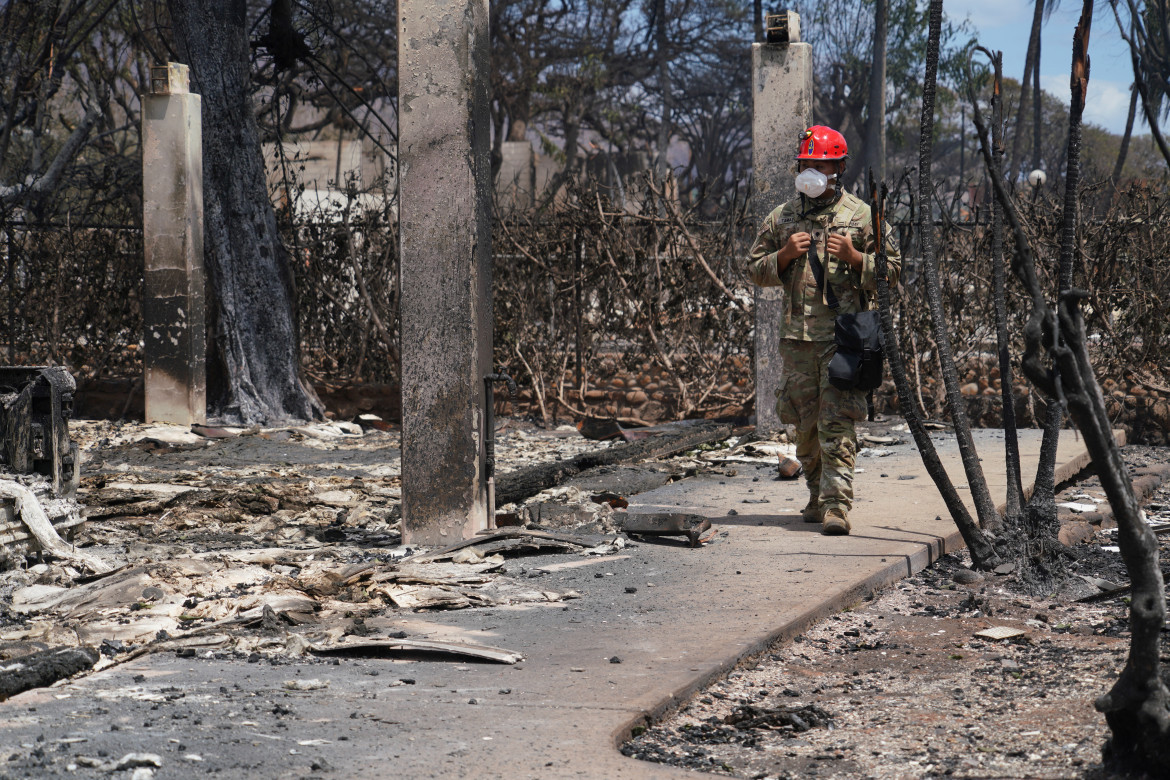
813 183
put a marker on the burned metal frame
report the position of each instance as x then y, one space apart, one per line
691 526
36 403
782 27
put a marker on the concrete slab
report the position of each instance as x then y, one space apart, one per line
677 618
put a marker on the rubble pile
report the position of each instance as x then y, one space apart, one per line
280 542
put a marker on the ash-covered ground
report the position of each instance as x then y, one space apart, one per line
904 686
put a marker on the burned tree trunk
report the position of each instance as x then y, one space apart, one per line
1031 61
1015 490
1031 532
1123 151
1137 708
875 124
254 374
984 506
983 554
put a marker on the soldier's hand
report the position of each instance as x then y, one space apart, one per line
797 245
842 247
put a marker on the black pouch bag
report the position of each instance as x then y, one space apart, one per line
858 363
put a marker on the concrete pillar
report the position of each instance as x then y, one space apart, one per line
444 173
516 187
782 108
174 357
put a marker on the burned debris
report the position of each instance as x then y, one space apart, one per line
286 543
36 506
691 526
37 403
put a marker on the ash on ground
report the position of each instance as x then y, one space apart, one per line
903 686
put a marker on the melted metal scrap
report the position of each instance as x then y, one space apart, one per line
691 526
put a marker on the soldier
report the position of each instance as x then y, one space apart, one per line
839 228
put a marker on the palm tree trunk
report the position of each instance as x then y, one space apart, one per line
1124 150
984 505
983 553
1037 99
660 42
1015 491
875 128
1031 62
1137 707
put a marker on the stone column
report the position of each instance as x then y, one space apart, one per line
174 357
444 174
516 184
782 107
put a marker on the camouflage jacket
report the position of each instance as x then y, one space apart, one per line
807 316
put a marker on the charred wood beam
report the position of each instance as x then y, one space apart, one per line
525 483
46 667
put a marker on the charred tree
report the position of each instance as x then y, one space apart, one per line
1015 489
1137 707
1031 533
875 126
1125 137
1141 49
983 553
1030 61
254 373
985 509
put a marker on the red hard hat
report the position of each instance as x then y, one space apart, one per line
821 143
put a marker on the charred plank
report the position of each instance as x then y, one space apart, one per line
36 670
526 483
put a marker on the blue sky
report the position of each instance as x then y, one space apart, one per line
1005 25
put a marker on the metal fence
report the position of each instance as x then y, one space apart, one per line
590 291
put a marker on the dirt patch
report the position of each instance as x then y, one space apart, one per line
904 686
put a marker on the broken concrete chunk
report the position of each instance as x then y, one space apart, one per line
134 760
312 684
789 468
1000 632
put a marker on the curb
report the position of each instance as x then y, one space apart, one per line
909 566
1145 483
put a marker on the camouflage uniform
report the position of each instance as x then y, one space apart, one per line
826 443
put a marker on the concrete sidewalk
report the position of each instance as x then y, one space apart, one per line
676 618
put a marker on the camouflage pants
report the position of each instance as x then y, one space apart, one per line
826 443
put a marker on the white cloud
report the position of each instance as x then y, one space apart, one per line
1107 103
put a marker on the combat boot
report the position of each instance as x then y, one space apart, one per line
812 511
835 522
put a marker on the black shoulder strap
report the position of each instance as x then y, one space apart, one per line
819 274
